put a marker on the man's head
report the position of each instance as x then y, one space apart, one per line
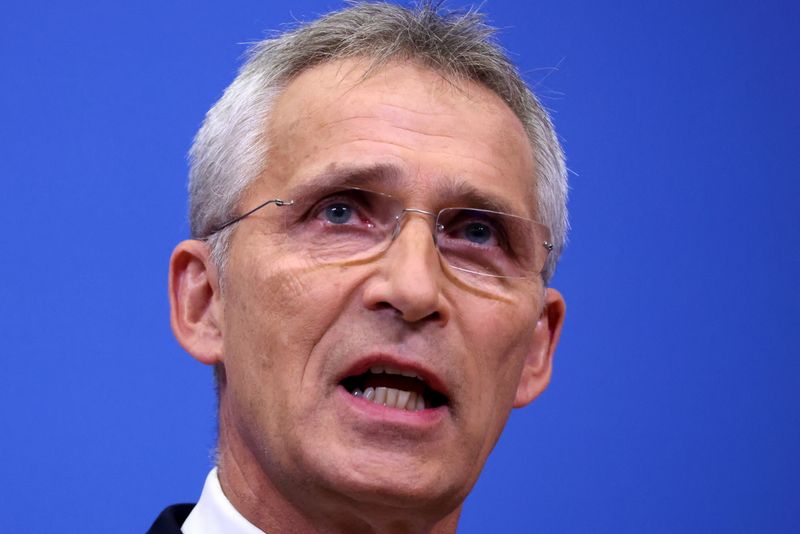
308 304
231 150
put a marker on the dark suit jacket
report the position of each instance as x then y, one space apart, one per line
171 519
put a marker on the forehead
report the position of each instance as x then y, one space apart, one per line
428 135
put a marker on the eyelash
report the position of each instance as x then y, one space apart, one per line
317 211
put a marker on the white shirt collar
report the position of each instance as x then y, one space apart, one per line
214 513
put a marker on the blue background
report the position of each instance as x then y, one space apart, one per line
673 405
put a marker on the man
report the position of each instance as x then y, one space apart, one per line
377 203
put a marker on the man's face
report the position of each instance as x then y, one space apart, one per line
297 333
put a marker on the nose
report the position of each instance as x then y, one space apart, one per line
409 277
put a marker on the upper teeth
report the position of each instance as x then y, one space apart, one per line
391 397
378 369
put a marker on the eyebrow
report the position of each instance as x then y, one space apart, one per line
462 192
379 175
389 178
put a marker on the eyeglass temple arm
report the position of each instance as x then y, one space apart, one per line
276 201
546 244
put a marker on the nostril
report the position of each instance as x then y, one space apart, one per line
407 314
433 316
415 315
384 306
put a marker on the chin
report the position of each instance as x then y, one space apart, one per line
399 483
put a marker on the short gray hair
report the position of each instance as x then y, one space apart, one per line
230 149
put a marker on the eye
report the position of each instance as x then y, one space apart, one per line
477 232
348 211
338 213
342 210
473 228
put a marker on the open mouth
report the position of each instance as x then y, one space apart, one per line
403 390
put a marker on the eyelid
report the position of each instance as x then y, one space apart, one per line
462 216
322 200
359 207
466 216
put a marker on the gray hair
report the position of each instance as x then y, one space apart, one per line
230 149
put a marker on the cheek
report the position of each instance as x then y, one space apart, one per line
257 301
280 306
496 373
505 340
274 315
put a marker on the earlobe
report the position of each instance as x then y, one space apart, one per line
195 311
539 363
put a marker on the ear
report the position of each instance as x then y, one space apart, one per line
539 363
194 297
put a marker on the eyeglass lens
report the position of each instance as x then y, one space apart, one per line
355 224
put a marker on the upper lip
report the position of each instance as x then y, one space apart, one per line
427 375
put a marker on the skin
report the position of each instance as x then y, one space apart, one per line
296 455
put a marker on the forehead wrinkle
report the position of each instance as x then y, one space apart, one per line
394 126
393 123
458 153
400 113
432 105
427 134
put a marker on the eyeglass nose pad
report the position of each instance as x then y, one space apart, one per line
438 229
397 221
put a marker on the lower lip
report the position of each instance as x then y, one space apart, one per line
420 419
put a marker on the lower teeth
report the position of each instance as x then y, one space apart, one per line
392 398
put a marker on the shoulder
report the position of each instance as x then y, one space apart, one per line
171 519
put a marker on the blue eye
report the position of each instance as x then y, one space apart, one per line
477 233
338 213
